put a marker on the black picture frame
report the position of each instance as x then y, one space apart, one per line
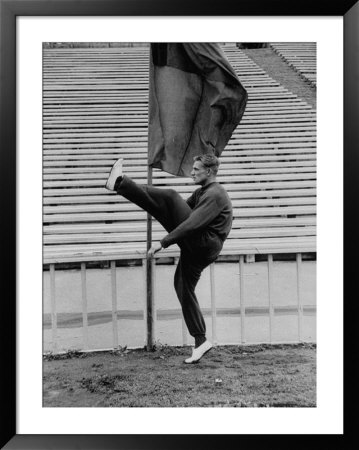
9 11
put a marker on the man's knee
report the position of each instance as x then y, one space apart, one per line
172 194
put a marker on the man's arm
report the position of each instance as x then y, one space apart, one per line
191 200
206 211
154 249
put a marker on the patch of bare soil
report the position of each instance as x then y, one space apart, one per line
228 376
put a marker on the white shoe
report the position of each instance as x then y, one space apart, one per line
116 172
198 352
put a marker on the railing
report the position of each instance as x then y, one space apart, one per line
243 310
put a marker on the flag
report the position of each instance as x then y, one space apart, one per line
195 102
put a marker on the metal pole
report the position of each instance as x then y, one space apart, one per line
53 308
149 261
213 305
241 298
149 274
299 297
270 296
84 306
114 304
184 327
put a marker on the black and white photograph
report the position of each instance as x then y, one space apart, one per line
179 224
175 184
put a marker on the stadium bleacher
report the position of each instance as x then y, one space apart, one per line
95 111
302 56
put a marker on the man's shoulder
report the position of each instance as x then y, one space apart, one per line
212 190
216 188
218 193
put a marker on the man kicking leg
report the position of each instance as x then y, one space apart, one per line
199 226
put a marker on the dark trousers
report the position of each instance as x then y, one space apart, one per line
197 252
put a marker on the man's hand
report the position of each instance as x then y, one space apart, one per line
154 249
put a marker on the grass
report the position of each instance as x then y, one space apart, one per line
228 376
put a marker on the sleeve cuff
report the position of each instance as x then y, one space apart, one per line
164 242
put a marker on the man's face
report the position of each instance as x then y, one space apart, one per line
200 173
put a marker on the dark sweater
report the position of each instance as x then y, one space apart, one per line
211 212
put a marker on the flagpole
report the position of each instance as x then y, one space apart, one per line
149 274
149 259
175 112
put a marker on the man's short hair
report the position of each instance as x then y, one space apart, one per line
209 160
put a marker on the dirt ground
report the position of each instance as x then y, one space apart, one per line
228 376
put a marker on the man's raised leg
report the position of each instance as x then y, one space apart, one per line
165 205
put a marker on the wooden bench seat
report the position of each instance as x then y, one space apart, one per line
100 173
127 206
168 181
105 198
52 195
118 251
141 153
53 163
79 171
140 215
157 235
125 227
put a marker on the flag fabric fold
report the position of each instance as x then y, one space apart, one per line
195 102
